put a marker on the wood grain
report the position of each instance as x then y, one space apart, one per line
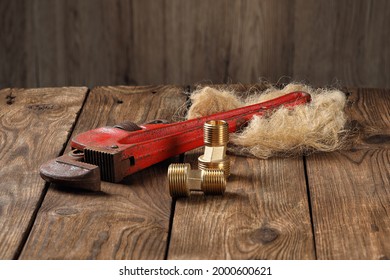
99 42
342 43
17 50
84 42
263 215
34 127
129 220
131 42
262 41
349 189
369 115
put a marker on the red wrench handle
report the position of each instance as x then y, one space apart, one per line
170 140
233 117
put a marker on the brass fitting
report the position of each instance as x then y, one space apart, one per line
216 137
182 180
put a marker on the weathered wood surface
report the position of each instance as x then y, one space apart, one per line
17 49
269 211
101 42
342 42
368 110
34 127
263 215
350 191
124 221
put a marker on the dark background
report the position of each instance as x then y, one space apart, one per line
139 42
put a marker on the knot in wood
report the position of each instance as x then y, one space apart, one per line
40 107
264 235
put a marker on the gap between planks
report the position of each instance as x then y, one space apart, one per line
47 185
27 116
248 222
121 222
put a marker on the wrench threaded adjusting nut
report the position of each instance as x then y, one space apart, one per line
216 137
182 180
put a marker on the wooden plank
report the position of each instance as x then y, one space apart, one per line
99 42
129 220
17 51
198 38
34 127
263 215
368 112
261 44
84 42
342 42
350 189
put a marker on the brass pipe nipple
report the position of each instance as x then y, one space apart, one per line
182 180
216 137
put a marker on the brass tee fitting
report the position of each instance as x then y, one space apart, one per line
216 137
182 180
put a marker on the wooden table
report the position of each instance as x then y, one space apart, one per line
323 206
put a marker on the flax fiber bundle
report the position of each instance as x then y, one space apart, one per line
317 126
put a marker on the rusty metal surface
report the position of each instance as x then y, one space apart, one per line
69 172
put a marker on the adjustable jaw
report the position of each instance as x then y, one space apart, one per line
70 171
85 169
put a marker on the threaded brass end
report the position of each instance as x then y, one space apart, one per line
216 133
223 165
178 179
213 182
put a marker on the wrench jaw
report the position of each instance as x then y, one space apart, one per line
70 171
